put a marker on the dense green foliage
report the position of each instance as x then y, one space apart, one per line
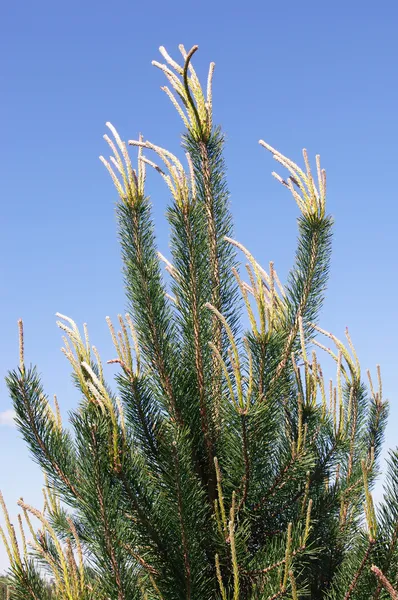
223 467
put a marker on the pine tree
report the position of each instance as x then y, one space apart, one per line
223 467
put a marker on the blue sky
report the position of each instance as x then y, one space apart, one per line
319 75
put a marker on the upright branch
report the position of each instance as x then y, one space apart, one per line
204 144
144 286
308 279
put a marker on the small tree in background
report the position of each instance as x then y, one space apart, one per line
224 467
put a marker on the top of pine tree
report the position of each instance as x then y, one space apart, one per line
224 467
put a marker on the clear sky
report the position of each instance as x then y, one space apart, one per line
317 74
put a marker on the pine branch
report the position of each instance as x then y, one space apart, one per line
384 582
212 197
184 538
51 447
147 296
359 571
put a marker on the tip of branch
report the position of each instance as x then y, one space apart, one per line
138 143
190 54
267 147
21 345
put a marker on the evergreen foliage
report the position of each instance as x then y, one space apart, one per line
223 467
